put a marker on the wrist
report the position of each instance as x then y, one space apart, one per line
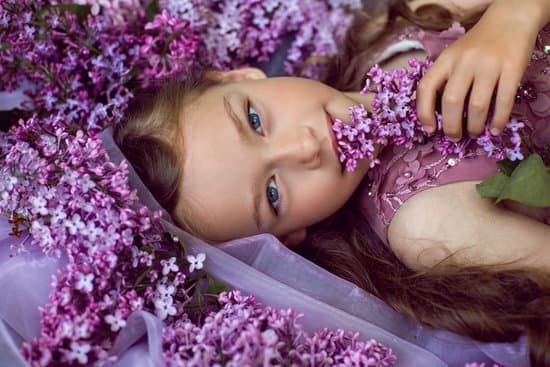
531 15
536 12
540 11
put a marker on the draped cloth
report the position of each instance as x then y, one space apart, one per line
258 265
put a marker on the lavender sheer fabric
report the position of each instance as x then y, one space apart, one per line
258 265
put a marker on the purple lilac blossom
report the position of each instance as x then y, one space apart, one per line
120 11
230 336
393 121
238 31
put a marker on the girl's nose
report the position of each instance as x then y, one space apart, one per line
299 147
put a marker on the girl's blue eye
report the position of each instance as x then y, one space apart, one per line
254 120
273 194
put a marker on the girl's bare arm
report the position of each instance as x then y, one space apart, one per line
460 8
454 219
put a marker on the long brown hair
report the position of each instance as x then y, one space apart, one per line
149 136
480 302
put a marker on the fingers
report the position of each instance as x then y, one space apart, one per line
480 100
452 106
458 79
506 92
426 93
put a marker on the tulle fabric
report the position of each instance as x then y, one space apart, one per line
258 265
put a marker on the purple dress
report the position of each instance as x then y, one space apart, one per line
402 173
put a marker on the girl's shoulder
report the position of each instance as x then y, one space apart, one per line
459 8
454 220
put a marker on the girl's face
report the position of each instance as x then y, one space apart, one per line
259 156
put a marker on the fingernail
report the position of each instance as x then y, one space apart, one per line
495 131
428 128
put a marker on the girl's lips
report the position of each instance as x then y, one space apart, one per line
330 121
333 140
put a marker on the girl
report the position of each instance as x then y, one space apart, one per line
231 154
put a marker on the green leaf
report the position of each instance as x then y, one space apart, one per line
507 166
215 286
528 184
81 11
152 10
492 186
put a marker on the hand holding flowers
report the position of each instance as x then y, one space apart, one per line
490 59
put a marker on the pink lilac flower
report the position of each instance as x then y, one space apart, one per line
166 32
393 121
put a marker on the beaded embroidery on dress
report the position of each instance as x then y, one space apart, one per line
403 172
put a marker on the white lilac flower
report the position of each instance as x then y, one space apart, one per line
84 282
116 321
136 304
165 291
269 337
74 224
58 214
65 329
39 205
7 183
169 266
135 256
164 307
79 352
196 262
86 183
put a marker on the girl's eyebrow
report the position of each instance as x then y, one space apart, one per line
257 199
234 118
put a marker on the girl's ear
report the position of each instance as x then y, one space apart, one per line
294 238
236 75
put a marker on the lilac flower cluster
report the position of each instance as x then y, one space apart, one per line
120 11
64 196
238 31
176 38
393 121
79 70
83 68
230 336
